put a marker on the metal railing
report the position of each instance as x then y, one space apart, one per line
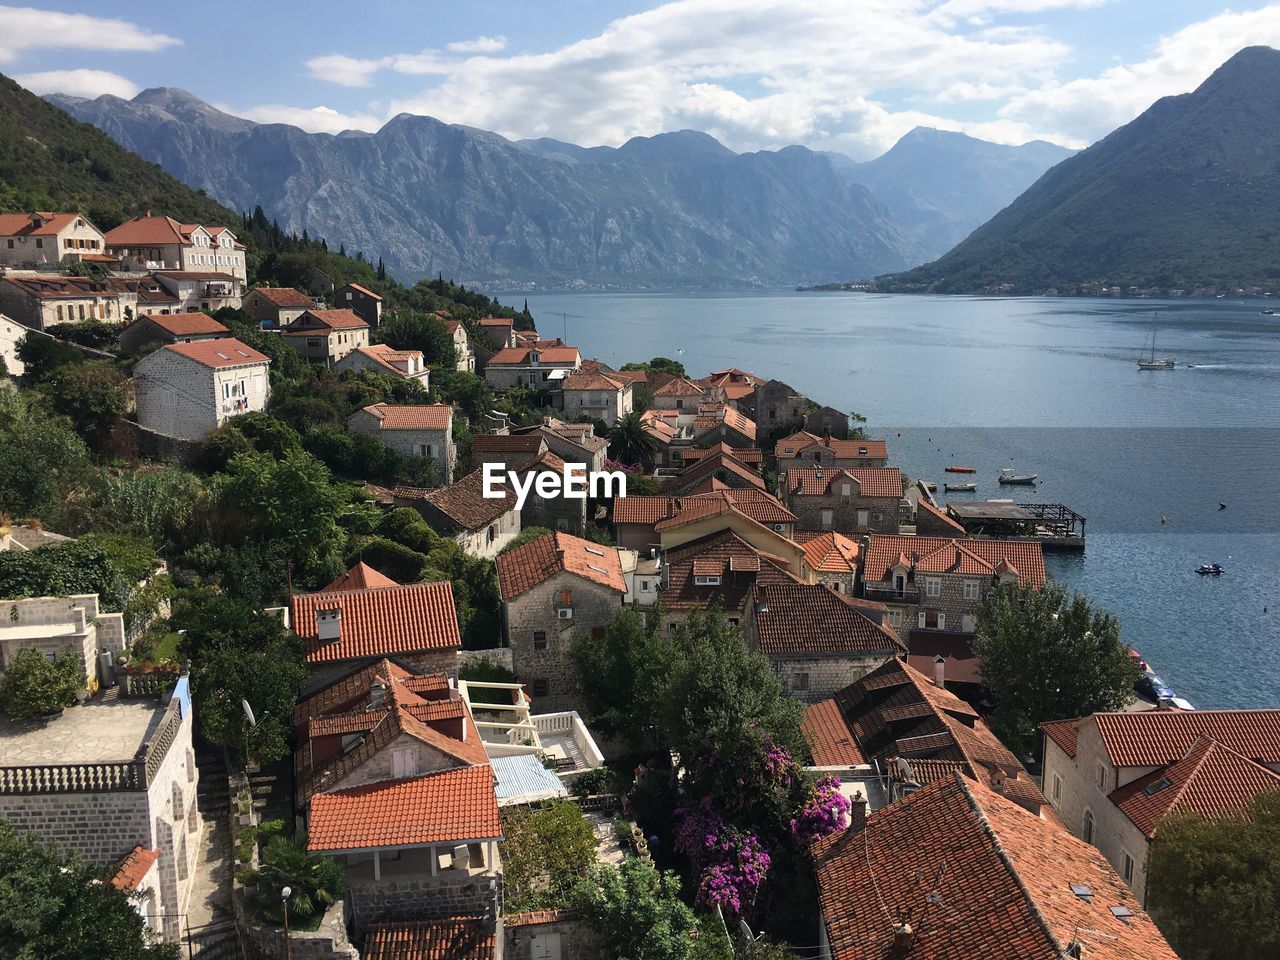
891 594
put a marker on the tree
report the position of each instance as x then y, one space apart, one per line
637 912
32 686
425 332
314 881
659 365
41 355
630 442
44 467
546 851
1046 657
93 396
622 676
65 569
1213 886
240 654
527 535
53 906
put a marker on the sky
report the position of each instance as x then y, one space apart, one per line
845 75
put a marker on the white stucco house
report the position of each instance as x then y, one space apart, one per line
186 390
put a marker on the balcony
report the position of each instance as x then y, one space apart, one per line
509 730
886 593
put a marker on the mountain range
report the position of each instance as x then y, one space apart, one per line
676 209
1186 196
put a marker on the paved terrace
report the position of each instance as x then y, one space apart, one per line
101 731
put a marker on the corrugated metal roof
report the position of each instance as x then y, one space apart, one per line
524 779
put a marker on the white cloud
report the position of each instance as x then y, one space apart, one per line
312 119
79 83
345 71
26 28
1085 109
479 45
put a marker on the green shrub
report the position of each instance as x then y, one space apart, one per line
32 686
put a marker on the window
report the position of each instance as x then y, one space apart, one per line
59 313
1057 788
802 681
1087 832
971 589
566 597
166 398
827 517
1128 869
966 623
541 687
895 617
933 620
539 639
490 535
844 489
932 587
82 311
1101 777
39 244
404 763
706 581
10 244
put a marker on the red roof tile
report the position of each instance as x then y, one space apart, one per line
141 231
452 806
884 550
313 321
829 552
496 321
679 387
380 622
939 517
365 290
133 866
530 443
22 225
830 740
184 324
519 356
719 465
808 619
1210 779
284 296
360 577
352 690
532 563
1150 738
1003 880
866 481
458 938
217 354
464 502
591 380
721 548
839 449
412 416
1063 733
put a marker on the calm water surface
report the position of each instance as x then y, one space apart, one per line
1048 386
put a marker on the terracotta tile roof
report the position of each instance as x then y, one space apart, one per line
464 502
792 442
284 296
629 376
1003 878
541 463
592 380
866 481
830 739
387 358
720 549
531 563
759 505
730 418
939 517
451 806
735 474
1063 733
839 449
1150 738
519 356
184 324
730 377
808 618
660 427
133 866
530 443
679 387
531 918
379 622
313 321
496 321
22 225
217 354
49 287
956 649
1210 779
752 456
360 577
365 290
884 550
829 552
347 692
141 231
412 416
458 938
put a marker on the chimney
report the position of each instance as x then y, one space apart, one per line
903 936
940 672
377 694
329 625
858 813
148 213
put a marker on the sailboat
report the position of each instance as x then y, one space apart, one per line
1162 363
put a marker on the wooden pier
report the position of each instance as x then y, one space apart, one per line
1055 526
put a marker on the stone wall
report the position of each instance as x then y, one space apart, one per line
451 893
409 443
778 405
159 447
523 932
823 420
814 678
179 397
882 512
537 610
499 655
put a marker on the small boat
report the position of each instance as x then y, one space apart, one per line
954 487
1210 570
1008 476
1268 313
1154 362
955 469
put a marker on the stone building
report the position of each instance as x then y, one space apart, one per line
779 406
186 390
415 430
40 301
12 333
206 290
48 239
938 583
553 589
857 500
276 307
361 301
380 358
499 330
60 627
808 450
571 442
717 424
1112 776
833 558
932 522
345 630
326 336
566 514
596 395
718 470
539 368
717 570
461 346
148 243
109 777
678 395
150 331
818 641
481 525
507 449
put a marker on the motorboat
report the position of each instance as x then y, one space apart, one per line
957 487
955 469
1024 479
1210 570
1268 313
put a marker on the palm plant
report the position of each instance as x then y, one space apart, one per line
630 442
315 881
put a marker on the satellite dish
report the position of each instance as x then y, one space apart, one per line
248 712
